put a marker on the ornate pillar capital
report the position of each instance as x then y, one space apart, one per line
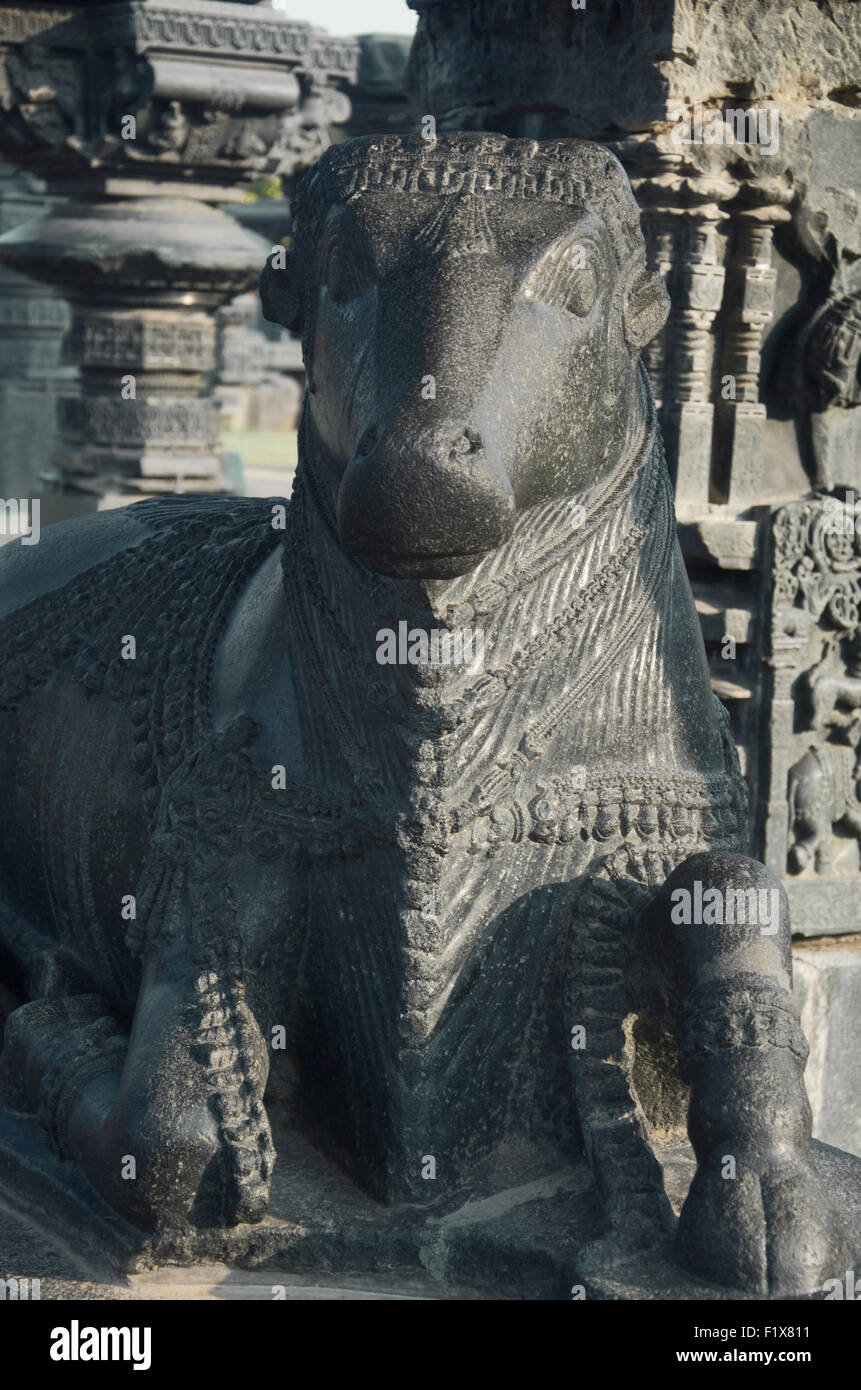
148 115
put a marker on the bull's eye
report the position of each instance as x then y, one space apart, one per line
345 274
583 291
568 276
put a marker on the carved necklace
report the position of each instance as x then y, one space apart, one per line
634 508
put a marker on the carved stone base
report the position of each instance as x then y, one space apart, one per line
516 1233
824 906
827 987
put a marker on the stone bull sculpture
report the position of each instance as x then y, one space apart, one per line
422 910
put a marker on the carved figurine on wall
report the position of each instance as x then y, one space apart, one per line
251 824
822 786
828 384
832 689
823 794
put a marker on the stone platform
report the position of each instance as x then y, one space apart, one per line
536 1238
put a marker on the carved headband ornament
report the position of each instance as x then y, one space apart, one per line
573 172
577 173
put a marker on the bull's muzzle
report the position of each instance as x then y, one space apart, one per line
427 505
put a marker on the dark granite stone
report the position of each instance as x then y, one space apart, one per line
366 853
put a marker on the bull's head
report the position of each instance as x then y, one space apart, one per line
472 311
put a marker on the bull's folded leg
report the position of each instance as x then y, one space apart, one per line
756 1216
161 1122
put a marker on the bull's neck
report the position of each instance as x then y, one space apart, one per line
520 614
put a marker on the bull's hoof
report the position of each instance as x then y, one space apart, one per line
163 1161
200 1157
143 1125
159 1172
163 1175
769 1229
46 1039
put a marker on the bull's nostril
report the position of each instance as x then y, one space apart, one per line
367 442
469 442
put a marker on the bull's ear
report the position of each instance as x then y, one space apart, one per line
645 307
281 291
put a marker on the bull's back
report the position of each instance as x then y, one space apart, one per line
107 634
62 754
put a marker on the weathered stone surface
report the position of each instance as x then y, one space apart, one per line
36 1266
539 67
379 99
218 92
828 990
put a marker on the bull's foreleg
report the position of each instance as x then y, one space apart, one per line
159 1121
756 1216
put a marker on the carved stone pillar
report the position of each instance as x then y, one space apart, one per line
749 309
143 278
683 224
149 116
688 409
33 322
261 375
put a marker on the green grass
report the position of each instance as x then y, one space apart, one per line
262 448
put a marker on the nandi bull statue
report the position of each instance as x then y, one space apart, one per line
277 864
